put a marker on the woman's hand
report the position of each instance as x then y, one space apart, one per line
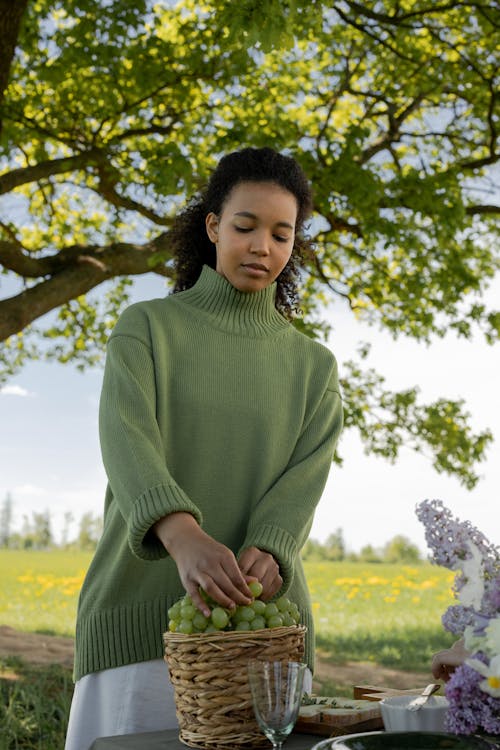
262 565
445 662
202 562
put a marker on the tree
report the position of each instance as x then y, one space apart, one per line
36 532
401 550
335 546
313 550
42 530
369 554
68 520
6 520
89 531
117 111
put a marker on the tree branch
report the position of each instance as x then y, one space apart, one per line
366 31
482 210
13 258
393 130
44 169
75 271
108 179
338 224
398 18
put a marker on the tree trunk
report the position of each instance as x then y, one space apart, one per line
11 12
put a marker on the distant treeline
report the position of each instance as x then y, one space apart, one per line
397 550
36 533
37 530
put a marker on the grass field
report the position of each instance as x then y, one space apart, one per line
384 614
40 590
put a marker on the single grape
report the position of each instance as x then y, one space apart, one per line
200 622
275 621
258 606
247 613
271 609
243 625
287 619
186 627
173 625
256 588
175 611
188 611
258 623
219 618
236 615
283 603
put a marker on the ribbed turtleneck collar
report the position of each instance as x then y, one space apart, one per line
246 313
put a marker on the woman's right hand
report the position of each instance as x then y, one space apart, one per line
445 662
202 562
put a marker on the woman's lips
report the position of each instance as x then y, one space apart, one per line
255 269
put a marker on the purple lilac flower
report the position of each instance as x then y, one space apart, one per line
470 709
444 536
457 618
448 539
491 598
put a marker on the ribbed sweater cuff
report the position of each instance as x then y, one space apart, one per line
153 504
280 544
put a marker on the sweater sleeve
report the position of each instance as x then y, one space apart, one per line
132 447
281 521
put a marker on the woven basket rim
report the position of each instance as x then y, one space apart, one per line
233 635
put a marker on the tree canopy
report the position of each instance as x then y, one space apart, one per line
113 113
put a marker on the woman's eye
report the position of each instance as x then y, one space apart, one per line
243 229
280 239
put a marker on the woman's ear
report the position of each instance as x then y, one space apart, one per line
212 225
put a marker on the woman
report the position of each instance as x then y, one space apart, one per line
218 424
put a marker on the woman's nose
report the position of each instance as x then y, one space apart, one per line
260 243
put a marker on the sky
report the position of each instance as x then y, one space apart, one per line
50 456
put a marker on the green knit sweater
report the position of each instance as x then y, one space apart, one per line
212 403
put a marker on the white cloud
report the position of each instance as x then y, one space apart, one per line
15 390
29 490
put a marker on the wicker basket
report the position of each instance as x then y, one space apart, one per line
209 675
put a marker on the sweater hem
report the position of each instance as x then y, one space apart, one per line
120 636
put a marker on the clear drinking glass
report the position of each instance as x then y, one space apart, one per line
276 688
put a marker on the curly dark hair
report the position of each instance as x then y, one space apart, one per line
190 244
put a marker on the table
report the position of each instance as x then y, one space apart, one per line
169 740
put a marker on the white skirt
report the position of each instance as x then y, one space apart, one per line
126 700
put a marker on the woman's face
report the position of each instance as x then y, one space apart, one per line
254 234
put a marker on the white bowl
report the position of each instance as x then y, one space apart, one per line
429 717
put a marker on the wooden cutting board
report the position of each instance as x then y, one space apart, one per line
335 716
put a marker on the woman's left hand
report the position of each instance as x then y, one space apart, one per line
445 662
262 565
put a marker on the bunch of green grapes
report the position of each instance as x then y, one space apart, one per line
184 617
